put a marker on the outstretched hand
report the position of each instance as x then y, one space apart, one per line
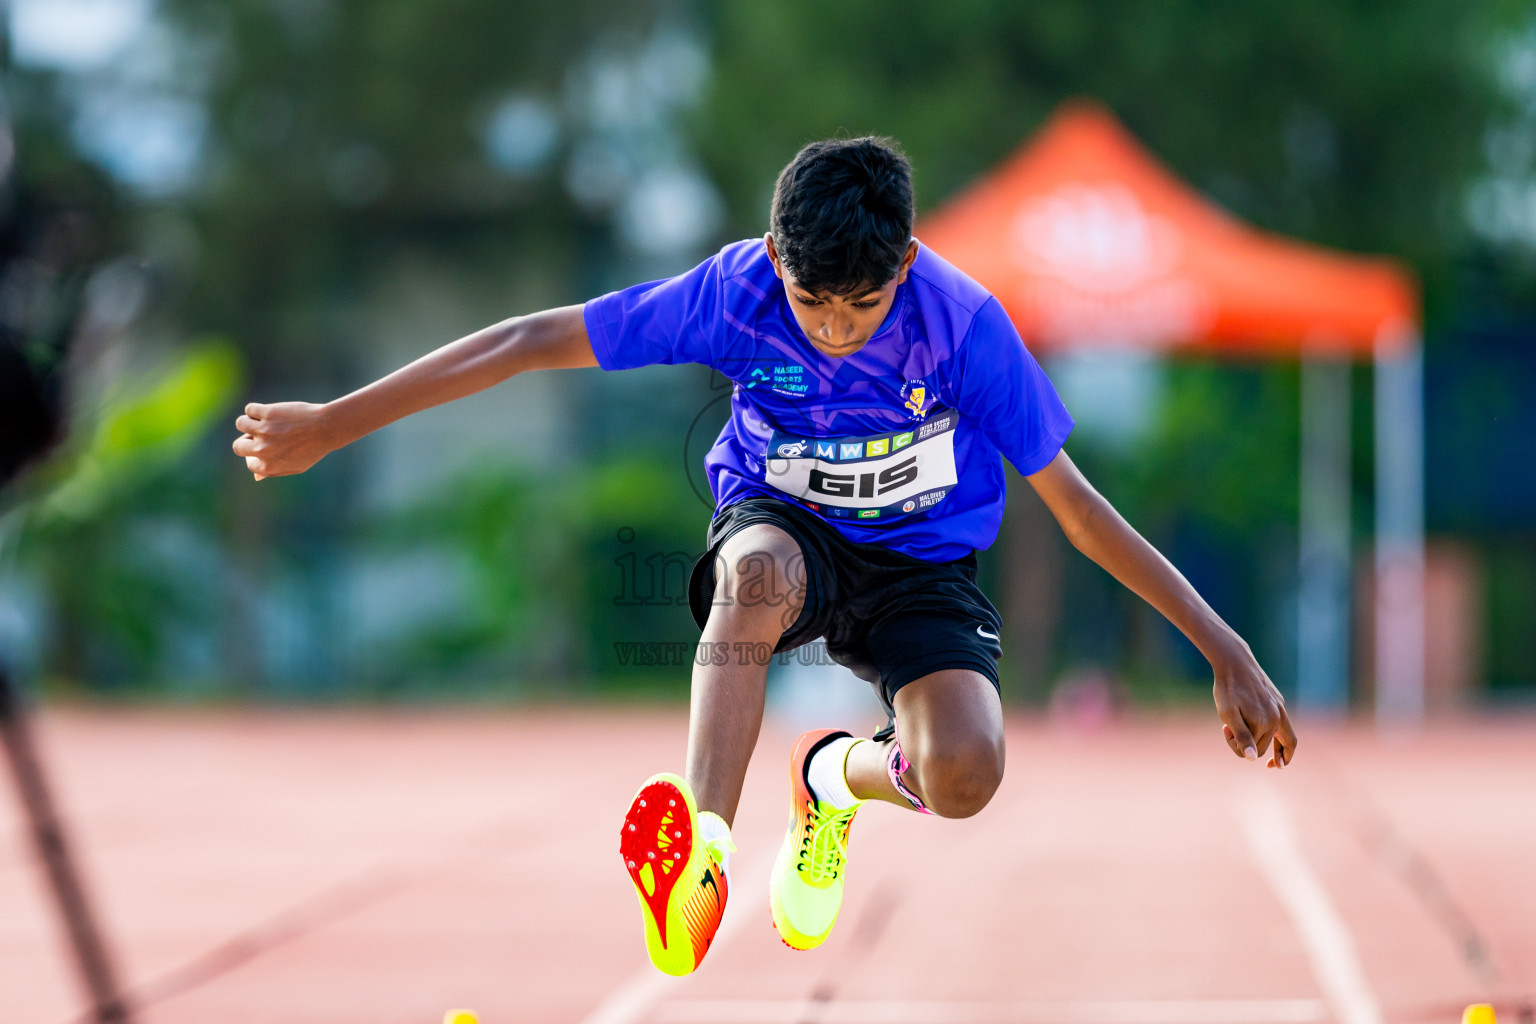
282 439
1252 711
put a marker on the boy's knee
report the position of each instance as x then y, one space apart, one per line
760 574
957 779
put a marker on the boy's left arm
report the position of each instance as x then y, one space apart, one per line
1251 708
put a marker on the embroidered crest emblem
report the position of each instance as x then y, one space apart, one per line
918 401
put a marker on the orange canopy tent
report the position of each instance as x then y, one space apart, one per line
1085 238
1088 241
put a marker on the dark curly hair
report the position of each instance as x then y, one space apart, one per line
842 214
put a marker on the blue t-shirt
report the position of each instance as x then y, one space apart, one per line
899 444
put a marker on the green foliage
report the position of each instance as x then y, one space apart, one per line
1223 453
509 539
124 542
346 134
345 140
542 597
1511 610
145 428
1352 124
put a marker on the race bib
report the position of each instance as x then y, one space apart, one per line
867 478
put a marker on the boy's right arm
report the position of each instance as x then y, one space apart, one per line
288 437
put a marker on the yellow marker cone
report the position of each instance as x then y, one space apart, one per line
1478 1013
468 1017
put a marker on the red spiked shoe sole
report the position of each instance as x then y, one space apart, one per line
655 841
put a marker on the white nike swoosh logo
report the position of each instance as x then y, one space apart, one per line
989 636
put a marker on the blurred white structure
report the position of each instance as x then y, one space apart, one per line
1399 532
1322 607
820 696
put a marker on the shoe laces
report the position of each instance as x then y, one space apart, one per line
719 847
824 842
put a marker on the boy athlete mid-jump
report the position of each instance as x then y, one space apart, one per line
877 391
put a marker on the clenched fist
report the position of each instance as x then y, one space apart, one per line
284 438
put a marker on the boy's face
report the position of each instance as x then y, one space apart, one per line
839 325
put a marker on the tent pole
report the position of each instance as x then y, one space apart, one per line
1399 410
1322 611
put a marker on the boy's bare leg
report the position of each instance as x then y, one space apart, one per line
951 729
759 591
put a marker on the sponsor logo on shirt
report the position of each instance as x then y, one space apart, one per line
794 450
827 449
851 451
877 447
784 378
869 513
901 440
906 506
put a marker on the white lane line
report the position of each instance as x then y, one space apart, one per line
1330 948
922 1011
634 997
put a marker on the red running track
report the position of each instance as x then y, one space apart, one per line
343 867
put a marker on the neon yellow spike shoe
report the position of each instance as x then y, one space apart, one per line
676 874
805 891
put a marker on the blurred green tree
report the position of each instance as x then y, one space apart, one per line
107 533
62 220
345 139
1351 124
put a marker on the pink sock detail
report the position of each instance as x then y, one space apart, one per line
896 766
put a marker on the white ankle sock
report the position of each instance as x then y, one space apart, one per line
712 828
827 776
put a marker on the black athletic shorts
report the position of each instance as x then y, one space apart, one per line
888 617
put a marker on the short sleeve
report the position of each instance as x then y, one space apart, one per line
674 320
1002 390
